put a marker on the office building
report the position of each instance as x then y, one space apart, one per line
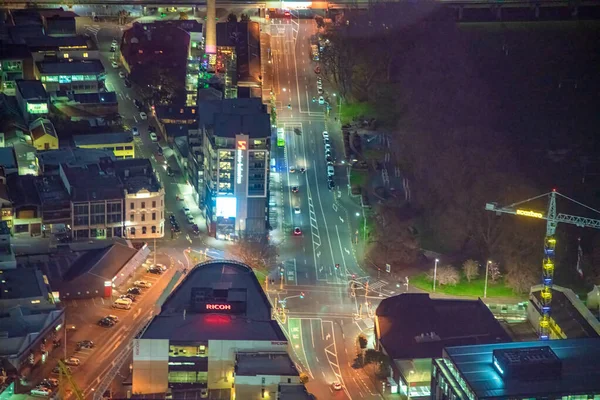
552 369
228 166
120 143
74 76
215 335
412 329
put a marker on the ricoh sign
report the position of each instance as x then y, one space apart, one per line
222 308
218 307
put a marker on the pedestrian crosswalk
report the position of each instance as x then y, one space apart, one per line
378 285
92 30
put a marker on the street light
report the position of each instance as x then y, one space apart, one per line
487 267
435 272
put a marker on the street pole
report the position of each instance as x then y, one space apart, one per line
435 272
154 251
487 267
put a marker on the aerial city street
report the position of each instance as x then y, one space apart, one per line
299 200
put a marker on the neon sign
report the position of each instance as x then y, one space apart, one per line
529 213
241 147
219 307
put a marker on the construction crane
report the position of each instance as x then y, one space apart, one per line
65 375
552 221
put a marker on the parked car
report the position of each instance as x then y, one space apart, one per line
135 131
330 184
185 210
325 135
113 318
176 228
321 100
41 392
106 322
330 170
161 266
138 104
56 370
142 284
49 383
85 344
73 361
143 115
129 296
153 137
159 150
122 74
190 220
134 290
155 270
195 229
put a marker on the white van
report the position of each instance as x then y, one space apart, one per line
330 171
124 304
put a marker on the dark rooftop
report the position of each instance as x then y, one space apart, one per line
177 130
177 321
31 89
95 98
181 143
70 67
414 325
7 158
20 283
137 174
253 364
22 189
245 37
580 374
103 138
91 183
14 51
51 190
230 117
187 25
175 112
45 43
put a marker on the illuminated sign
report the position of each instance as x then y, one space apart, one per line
37 108
241 147
219 307
529 213
226 207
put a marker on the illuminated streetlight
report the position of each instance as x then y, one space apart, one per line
487 267
435 272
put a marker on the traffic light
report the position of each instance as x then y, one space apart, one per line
353 276
301 295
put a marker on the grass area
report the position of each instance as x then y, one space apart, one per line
374 154
366 226
358 177
464 288
351 111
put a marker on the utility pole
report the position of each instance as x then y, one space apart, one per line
154 251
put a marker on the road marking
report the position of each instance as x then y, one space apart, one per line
335 208
342 220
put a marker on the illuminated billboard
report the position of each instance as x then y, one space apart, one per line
226 207
37 108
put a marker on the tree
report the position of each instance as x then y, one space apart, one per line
259 254
232 18
320 22
446 275
362 341
165 88
183 16
471 269
494 273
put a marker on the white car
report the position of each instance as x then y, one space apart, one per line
153 137
327 146
135 131
330 170
114 64
296 210
190 219
121 74
321 100
325 135
142 284
320 90
143 115
72 361
337 386
114 42
161 266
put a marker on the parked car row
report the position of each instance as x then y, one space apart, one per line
329 159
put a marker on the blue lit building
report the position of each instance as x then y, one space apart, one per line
556 369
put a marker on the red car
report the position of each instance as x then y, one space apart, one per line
317 70
297 231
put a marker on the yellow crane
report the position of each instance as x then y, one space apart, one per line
552 220
64 375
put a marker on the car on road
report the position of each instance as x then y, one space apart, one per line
41 392
153 137
296 210
321 100
122 74
176 228
85 344
325 135
106 322
142 284
161 266
151 128
190 220
195 229
330 184
143 115
329 160
337 386
319 81
292 169
139 105
172 219
113 49
326 140
297 231
73 361
330 170
185 210
113 318
154 270
127 83
327 146
135 131
114 64
159 149
114 42
302 169
320 91
131 297
295 189
56 370
49 383
134 290
317 70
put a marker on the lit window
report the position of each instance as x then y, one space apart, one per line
85 55
181 111
140 51
66 55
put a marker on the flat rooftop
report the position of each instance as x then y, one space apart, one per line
177 322
230 117
103 138
73 156
51 190
32 90
413 325
20 283
580 370
137 174
45 43
70 67
265 364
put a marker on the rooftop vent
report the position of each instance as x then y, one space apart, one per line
527 364
427 337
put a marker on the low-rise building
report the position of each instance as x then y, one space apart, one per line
120 143
89 106
412 329
7 255
144 199
15 63
56 204
58 22
32 99
234 340
8 160
75 47
27 207
43 135
549 369
75 76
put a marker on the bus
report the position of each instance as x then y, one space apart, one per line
280 137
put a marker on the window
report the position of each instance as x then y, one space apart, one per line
153 204
153 229
66 55
131 205
85 55
161 203
133 231
143 204
153 216
143 217
132 218
143 230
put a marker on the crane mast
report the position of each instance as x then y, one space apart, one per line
548 263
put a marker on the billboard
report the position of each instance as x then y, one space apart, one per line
226 206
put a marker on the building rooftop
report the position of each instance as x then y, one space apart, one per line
7 158
70 67
413 325
48 43
230 117
103 138
252 364
21 283
22 190
31 89
137 174
91 182
245 37
95 98
51 190
186 317
175 113
72 157
41 127
14 51
579 374
187 25
181 143
97 265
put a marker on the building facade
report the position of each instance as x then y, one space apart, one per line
71 76
120 143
